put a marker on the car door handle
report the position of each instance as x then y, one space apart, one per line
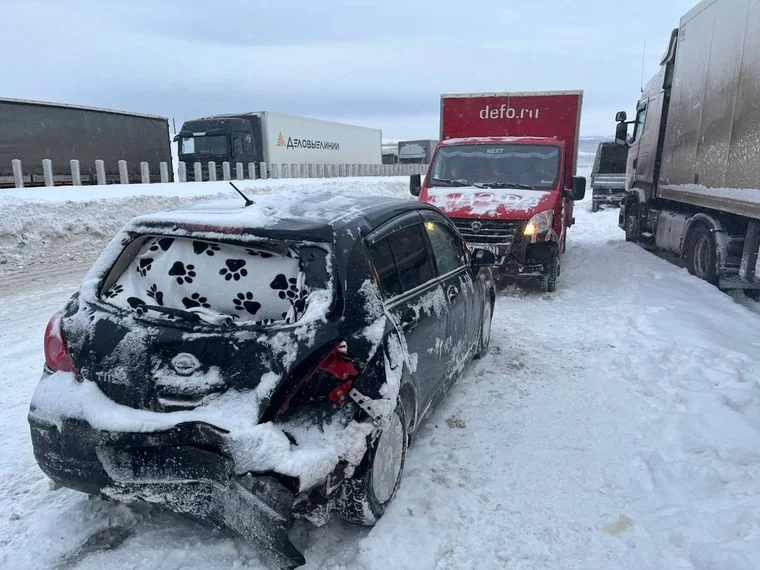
452 293
635 162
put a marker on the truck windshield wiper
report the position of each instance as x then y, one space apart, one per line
450 182
503 185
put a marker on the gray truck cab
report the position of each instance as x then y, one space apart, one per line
608 175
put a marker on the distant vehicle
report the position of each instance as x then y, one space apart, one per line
249 365
390 153
273 138
34 130
504 172
693 174
608 175
416 152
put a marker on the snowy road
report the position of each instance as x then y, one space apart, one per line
614 424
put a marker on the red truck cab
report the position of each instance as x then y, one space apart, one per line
504 172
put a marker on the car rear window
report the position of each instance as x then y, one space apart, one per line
255 284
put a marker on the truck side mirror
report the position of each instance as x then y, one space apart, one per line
415 184
579 187
621 117
621 133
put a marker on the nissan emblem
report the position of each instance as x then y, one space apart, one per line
185 364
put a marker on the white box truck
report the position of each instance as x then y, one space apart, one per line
274 138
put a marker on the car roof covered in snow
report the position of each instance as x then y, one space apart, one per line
282 215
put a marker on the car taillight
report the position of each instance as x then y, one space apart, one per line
331 380
57 357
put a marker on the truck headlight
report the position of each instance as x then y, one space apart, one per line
539 223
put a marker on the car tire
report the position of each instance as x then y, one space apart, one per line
368 493
701 254
484 339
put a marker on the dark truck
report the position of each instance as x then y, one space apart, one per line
693 174
608 175
33 131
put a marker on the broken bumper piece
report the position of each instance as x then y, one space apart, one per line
180 469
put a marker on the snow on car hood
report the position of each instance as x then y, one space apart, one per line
504 203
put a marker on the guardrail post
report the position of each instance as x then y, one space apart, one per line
320 173
212 171
182 172
47 172
274 171
226 171
263 169
76 176
100 171
198 171
163 169
123 172
239 171
144 172
18 174
284 171
252 171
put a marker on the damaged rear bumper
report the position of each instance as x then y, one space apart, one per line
182 469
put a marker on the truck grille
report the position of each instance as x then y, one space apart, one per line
488 231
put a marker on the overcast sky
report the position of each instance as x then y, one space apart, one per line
382 64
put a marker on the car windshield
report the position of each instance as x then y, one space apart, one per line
216 282
497 165
216 145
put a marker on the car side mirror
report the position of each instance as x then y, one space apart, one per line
483 258
621 133
415 184
621 117
579 187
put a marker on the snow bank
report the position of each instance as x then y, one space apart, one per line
66 225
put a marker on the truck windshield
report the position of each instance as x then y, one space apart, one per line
216 145
505 165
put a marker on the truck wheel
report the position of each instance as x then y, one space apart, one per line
701 254
368 493
632 229
548 282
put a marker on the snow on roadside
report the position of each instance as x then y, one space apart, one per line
63 225
614 424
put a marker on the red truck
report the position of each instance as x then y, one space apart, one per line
504 172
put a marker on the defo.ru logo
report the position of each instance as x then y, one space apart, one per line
507 112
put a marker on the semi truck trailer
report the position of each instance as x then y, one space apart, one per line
274 138
32 131
693 172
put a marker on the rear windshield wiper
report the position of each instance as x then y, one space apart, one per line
503 185
140 309
450 182
194 315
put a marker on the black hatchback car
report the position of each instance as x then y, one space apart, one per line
252 364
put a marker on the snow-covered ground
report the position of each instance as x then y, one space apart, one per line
614 424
